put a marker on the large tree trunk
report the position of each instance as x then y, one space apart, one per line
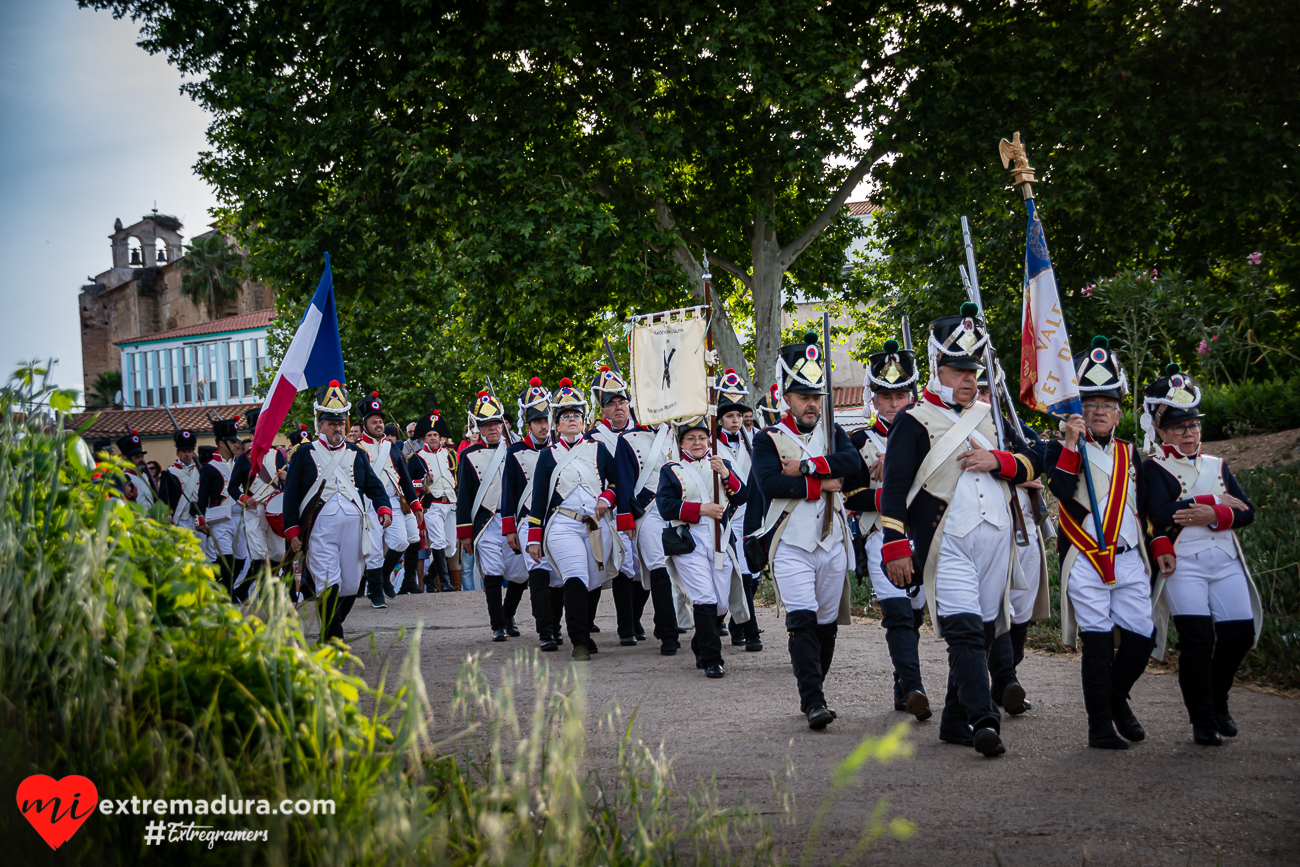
725 341
768 276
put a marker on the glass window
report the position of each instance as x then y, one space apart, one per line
160 375
248 369
133 372
173 374
187 373
147 379
210 367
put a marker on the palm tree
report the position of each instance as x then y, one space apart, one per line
209 272
104 389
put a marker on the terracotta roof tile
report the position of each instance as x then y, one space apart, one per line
847 398
242 322
862 208
155 423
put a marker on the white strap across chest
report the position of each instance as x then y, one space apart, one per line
1209 474
654 461
814 447
329 466
963 428
493 467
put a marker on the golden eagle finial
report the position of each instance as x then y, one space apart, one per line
1013 157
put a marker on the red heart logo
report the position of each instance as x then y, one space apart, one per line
57 808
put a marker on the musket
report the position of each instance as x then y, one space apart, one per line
907 333
613 365
828 412
971 280
712 398
492 391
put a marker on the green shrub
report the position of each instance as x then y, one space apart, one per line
1250 408
1272 546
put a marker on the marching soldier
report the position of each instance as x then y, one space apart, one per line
216 518
889 387
946 515
253 490
738 451
1196 506
180 481
478 511
610 396
804 532
1034 602
568 521
433 473
1101 590
545 587
329 495
387 544
145 492
770 410
696 522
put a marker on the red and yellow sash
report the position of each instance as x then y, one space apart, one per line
1116 501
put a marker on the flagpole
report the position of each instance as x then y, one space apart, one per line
1014 158
712 419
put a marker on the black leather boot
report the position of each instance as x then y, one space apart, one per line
373 580
333 609
805 659
1006 689
968 667
640 596
707 641
557 615
1195 663
496 620
391 559
1098 650
1233 641
953 725
514 592
539 594
899 622
1130 661
593 602
577 617
665 616
621 588
410 560
444 572
1019 632
753 643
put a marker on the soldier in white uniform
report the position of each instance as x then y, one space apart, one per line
218 514
253 490
611 398
738 450
1196 507
889 387
432 469
329 496
478 512
946 516
804 530
131 449
1105 589
545 586
180 481
698 538
387 544
569 521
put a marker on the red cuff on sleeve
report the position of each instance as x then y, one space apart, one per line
891 551
1161 546
384 510
1068 461
879 492
507 525
821 466
608 496
199 521
292 532
814 488
733 483
625 522
416 506
1006 464
534 535
1224 521
1205 500
690 513
464 531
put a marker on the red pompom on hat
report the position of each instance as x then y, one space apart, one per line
772 388
435 413
334 383
730 370
235 419
566 382
534 382
482 394
134 433
374 394
604 368
302 426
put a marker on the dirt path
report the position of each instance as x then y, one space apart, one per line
1044 802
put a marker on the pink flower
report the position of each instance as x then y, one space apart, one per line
1203 348
1086 291
1255 258
1154 273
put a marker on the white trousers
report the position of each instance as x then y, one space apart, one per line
811 580
440 528
222 540
973 572
570 550
630 567
516 565
1031 560
650 539
263 544
705 574
334 555
237 517
886 589
491 550
1101 607
391 538
1210 582
412 529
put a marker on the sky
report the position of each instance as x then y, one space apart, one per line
91 129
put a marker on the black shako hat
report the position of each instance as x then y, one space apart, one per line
1099 372
534 402
332 402
732 394
130 445
769 408
958 341
432 422
226 429
371 406
185 439
891 369
801 367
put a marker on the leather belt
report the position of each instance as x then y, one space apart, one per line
593 533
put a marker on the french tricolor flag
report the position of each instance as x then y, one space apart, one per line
315 357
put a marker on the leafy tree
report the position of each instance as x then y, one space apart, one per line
104 389
209 273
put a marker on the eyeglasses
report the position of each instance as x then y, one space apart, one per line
1093 406
1185 428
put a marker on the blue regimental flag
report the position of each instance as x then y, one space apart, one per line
1047 378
